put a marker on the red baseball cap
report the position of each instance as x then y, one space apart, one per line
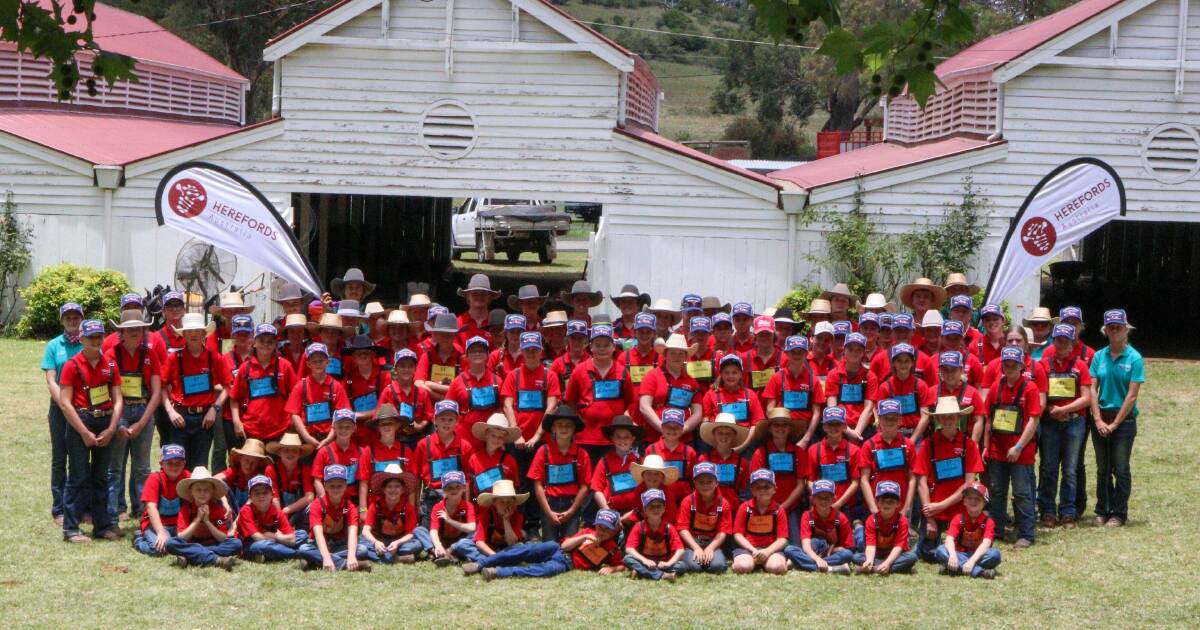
978 488
763 323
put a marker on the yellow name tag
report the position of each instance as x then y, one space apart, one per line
1005 420
98 395
442 373
1062 387
699 369
639 372
760 378
131 386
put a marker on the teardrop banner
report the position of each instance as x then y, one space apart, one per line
1074 200
217 206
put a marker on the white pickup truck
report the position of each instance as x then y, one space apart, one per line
511 226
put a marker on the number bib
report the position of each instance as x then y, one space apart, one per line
168 507
654 547
795 400
677 464
98 396
639 372
680 398
850 393
908 403
406 410
439 467
442 373
739 410
131 386
483 397
834 472
704 522
560 474
366 402
606 390
530 400
486 479
700 369
196 384
1006 419
761 524
1063 386
726 474
622 482
781 462
950 468
890 458
381 465
262 387
315 413
760 378
334 368
594 552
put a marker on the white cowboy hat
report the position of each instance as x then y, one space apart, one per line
398 317
201 475
948 406
655 463
374 308
932 319
501 489
875 300
677 342
496 421
725 420
290 439
192 321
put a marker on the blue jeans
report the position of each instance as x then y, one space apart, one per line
1114 481
58 458
144 543
804 562
989 560
464 548
544 559
641 570
204 555
309 553
1059 445
1000 474
87 479
689 564
429 499
418 543
927 547
271 550
552 532
904 562
139 452
194 438
794 525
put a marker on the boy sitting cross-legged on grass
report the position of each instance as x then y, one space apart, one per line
264 530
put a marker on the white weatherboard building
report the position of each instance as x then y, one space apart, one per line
405 104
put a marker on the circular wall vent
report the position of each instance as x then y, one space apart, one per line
1171 153
447 130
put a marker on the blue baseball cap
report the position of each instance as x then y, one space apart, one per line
700 324
443 406
608 519
990 310
530 340
172 296
265 329
476 341
833 415
890 407
131 299
241 324
950 359
962 301
855 339
91 327
1115 316
953 327
887 489
743 309
1012 353
704 468
672 415
70 307
316 348
721 318
1066 331
453 477
823 486
402 354
690 302
514 322
645 321
172 451
730 358
762 474
885 320
344 415
435 310
336 471
258 480
842 328
902 320
795 342
903 348
652 495
868 318
577 327
1070 312
602 330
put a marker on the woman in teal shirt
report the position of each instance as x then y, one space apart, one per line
59 350
1117 376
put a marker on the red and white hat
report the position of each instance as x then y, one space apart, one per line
763 323
977 488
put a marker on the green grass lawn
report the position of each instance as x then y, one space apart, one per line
1142 575
565 265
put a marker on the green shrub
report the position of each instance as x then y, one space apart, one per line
97 291
799 298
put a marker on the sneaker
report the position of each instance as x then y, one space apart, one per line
443 561
669 576
1067 522
78 538
1115 522
180 562
489 574
840 569
226 563
1022 543
112 533
407 558
987 574
471 568
1049 521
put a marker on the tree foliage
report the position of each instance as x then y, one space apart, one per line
15 254
951 244
98 291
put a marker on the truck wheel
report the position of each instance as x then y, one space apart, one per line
487 247
547 252
456 254
513 253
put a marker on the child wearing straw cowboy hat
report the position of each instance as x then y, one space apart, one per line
229 304
946 462
491 462
1040 323
264 530
479 296
655 473
390 532
920 296
203 525
398 335
779 453
197 382
499 523
385 448
723 434
669 386
141 389
291 481
245 463
291 349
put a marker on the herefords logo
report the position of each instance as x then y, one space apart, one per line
187 198
1038 236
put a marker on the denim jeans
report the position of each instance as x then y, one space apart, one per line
556 533
224 440
904 562
927 547
642 570
1058 445
544 559
194 438
144 543
273 551
204 555
309 553
1081 492
989 560
58 458
87 479
429 499
718 564
137 451
1114 481
1021 476
464 549
804 562
531 509
418 543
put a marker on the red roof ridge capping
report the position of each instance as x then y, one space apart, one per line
649 137
875 159
1001 48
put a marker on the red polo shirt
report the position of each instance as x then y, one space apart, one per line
759 531
1031 406
705 521
251 521
265 416
955 457
184 365
431 448
733 473
637 364
390 523
834 528
432 361
973 369
562 474
967 396
985 351
719 399
171 340
127 364
893 462
758 370
335 519
417 398
295 481
968 533
682 457
822 367
613 470
1065 380
785 384
464 513
562 367
742 344
922 395
501 362
484 469
364 393
834 464
309 392
294 356
160 486
586 381
665 391
658 543
529 391
591 556
90 380
477 398
862 385
792 457
887 535
216 515
468 327
355 458
489 527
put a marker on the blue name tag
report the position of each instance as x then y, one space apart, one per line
606 390
680 398
168 507
726 474
442 466
482 397
851 393
317 412
908 403
796 400
948 468
889 458
334 368
530 400
739 410
196 384
366 402
560 474
406 410
834 472
352 472
382 464
622 482
262 387
677 465
781 462
487 478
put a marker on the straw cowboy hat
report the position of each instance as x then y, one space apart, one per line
502 489
819 306
555 318
329 320
581 287
654 463
386 411
726 420
290 439
677 342
417 300
496 421
1041 315
948 406
295 320
201 475
527 293
843 290
130 318
288 292
393 471
630 291
622 422
712 304
906 291
663 306
960 280
398 317
374 308
762 430
231 303
193 321
353 274
479 283
252 448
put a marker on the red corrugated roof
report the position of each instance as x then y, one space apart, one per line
107 138
874 159
651 138
1002 48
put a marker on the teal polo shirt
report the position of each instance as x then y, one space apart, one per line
58 352
1113 376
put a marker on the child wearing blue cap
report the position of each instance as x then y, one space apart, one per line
529 389
702 364
160 502
731 395
826 538
886 535
653 549
796 388
438 454
315 397
954 340
674 451
987 347
592 549
953 381
705 522
345 451
411 402
1014 412
1063 428
452 524
638 360
443 357
852 386
902 333
760 528
886 456
229 434
264 530
914 395
834 458
476 390
333 524
742 316
507 354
